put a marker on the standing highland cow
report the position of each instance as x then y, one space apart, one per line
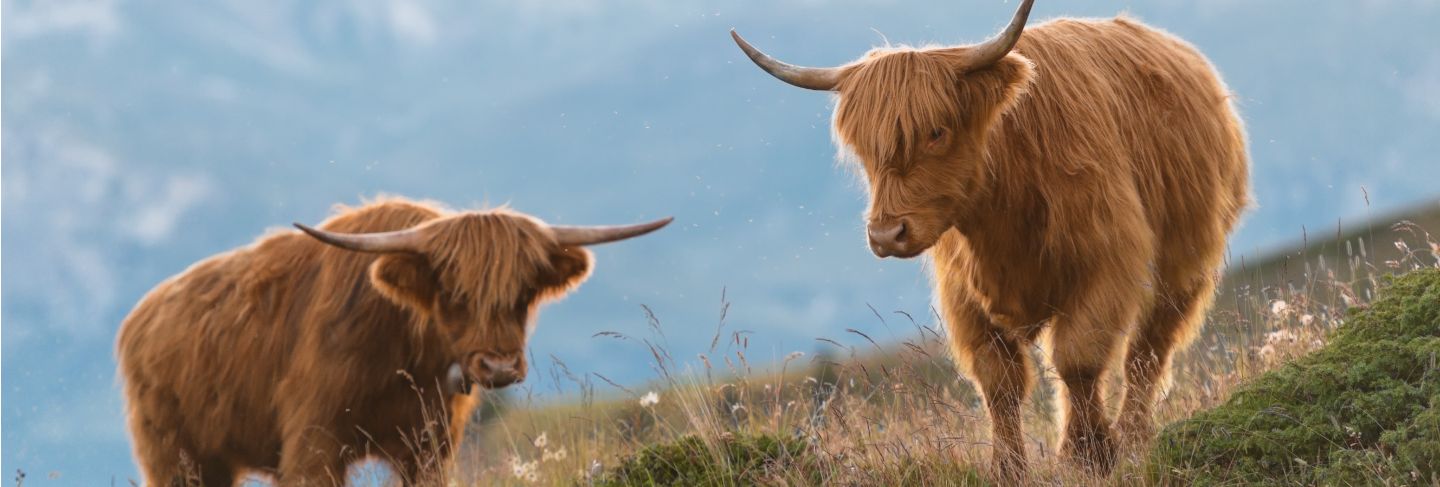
298 356
1081 179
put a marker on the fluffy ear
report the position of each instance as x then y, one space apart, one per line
407 280
994 89
569 266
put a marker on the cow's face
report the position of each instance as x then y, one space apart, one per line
482 281
480 277
917 121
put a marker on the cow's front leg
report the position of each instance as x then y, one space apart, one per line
312 456
998 363
1085 342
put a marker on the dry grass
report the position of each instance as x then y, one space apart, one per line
866 413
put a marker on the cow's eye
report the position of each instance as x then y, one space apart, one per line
936 134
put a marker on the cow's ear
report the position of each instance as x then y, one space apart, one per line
569 266
994 90
407 280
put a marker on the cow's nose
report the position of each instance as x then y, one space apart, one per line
888 236
500 371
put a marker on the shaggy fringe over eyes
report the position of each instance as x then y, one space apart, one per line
880 124
491 255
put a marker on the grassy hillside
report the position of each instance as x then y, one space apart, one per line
1363 410
859 412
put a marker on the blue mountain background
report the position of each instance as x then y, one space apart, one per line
141 136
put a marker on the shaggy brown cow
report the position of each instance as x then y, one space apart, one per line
1081 179
298 358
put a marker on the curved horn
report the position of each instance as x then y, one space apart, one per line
407 240
822 79
567 235
988 52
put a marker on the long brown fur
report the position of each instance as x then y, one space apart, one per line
294 358
1085 184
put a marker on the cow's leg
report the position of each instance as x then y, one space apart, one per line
423 468
155 430
159 459
1085 342
312 457
215 473
998 363
1176 315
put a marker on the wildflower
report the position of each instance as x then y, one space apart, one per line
523 470
555 455
1280 336
542 440
1266 350
1307 319
1279 307
794 355
650 399
532 477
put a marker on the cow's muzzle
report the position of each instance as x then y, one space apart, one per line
496 371
891 237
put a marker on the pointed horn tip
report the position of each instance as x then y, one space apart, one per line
646 228
740 41
317 234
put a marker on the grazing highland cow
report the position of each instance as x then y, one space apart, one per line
1081 179
298 356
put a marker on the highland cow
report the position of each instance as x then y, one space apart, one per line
1078 181
301 354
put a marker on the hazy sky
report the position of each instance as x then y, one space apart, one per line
141 136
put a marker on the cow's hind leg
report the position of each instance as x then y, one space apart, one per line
1174 318
154 427
998 363
159 460
1084 343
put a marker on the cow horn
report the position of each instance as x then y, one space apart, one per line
822 79
407 240
575 236
990 51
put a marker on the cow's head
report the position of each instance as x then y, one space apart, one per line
480 276
917 120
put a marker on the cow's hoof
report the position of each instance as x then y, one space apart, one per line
1093 452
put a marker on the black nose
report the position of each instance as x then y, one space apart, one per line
888 236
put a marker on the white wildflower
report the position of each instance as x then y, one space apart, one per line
523 470
1279 307
1266 351
532 477
553 455
1307 319
650 399
1280 336
542 440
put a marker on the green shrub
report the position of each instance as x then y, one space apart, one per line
1363 410
692 461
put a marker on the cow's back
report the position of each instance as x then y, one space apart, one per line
1120 106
